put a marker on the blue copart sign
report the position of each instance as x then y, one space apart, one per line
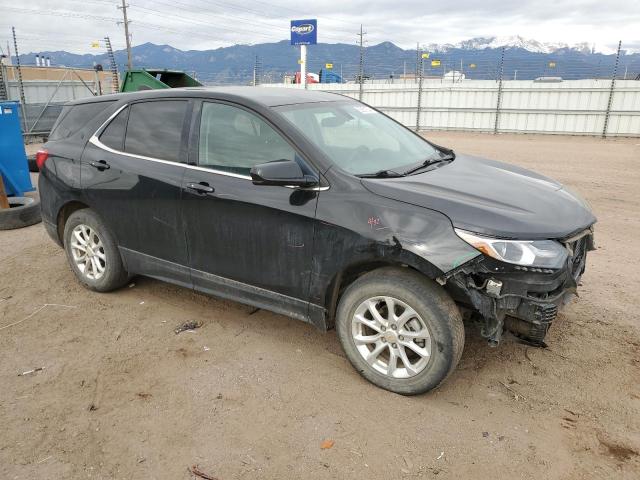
304 32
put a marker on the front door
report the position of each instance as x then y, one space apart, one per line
247 242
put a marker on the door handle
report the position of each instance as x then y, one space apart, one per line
202 187
100 165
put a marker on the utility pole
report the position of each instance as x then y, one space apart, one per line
361 68
126 32
20 84
303 66
256 72
255 67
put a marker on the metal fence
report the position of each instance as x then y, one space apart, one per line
574 107
497 90
44 98
501 90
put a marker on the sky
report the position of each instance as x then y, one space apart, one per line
73 25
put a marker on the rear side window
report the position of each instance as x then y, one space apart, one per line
74 117
154 129
113 135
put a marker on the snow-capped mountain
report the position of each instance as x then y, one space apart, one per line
513 41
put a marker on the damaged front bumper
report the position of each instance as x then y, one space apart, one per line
525 300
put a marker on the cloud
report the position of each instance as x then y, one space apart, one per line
205 24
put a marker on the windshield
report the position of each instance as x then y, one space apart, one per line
357 138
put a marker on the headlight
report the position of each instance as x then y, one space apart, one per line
534 253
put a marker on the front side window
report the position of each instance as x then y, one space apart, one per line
357 138
234 140
154 129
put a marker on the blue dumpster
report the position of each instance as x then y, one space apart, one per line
14 166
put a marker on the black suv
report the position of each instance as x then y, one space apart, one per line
315 206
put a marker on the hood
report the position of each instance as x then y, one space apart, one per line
491 198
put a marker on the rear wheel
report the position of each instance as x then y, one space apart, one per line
92 252
401 331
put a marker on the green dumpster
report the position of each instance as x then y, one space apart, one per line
144 79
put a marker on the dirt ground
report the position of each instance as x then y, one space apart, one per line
251 396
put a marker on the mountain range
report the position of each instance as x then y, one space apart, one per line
514 41
478 58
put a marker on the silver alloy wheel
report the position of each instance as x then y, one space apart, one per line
391 337
88 252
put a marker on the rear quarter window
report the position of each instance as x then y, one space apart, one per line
113 135
74 117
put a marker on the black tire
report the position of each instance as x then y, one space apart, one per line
23 211
33 166
115 275
430 301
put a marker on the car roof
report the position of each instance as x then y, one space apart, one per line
266 96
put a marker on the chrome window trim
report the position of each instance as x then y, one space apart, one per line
308 189
96 142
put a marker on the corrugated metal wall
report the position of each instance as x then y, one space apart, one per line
44 98
70 88
574 107
41 91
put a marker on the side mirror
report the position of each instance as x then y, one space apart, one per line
281 172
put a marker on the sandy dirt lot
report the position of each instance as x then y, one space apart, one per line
254 395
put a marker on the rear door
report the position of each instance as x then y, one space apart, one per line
131 175
247 242
69 136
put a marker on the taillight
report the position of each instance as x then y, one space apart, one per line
41 157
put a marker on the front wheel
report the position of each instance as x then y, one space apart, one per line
400 330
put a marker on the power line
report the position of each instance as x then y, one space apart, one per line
145 25
221 25
198 22
258 13
61 13
298 12
173 16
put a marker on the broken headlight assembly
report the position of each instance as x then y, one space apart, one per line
529 253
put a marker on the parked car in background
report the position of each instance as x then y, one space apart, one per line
318 207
